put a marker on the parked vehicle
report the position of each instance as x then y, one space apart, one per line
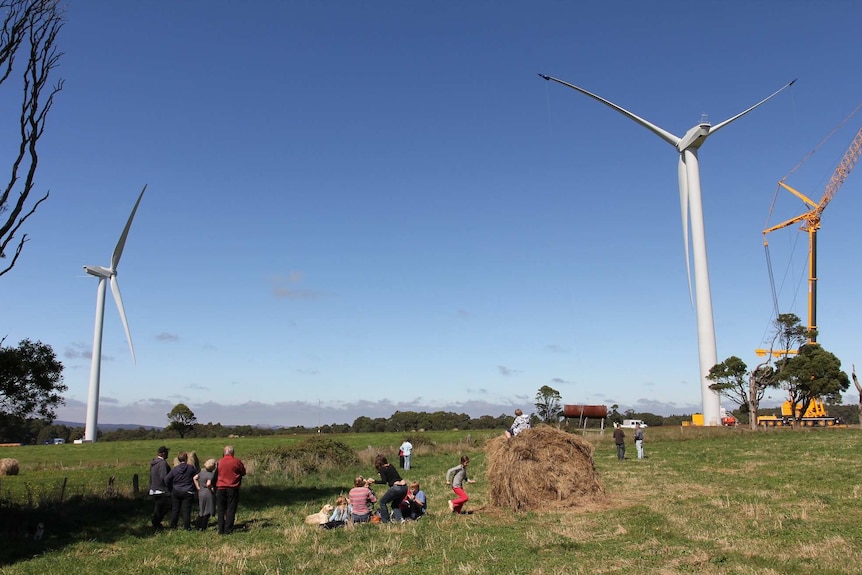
630 423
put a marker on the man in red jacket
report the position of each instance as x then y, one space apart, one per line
229 472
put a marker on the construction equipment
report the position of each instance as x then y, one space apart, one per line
727 420
811 223
815 416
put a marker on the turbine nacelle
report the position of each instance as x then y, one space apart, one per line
99 271
694 138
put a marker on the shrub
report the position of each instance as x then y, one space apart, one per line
308 456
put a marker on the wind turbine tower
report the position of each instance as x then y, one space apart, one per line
105 275
692 218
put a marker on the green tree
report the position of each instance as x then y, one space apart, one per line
31 384
788 334
549 406
614 416
731 379
182 419
813 373
28 36
744 388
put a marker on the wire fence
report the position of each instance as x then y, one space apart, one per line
37 493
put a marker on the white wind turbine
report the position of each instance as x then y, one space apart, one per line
105 274
691 205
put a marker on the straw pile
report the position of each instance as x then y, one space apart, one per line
542 468
8 466
192 460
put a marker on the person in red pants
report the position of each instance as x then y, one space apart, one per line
457 477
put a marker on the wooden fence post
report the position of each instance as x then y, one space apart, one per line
135 486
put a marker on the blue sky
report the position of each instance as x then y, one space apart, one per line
358 208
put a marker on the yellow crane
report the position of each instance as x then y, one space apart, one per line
811 223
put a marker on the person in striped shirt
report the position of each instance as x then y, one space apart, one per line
361 499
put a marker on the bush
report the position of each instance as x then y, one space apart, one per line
308 456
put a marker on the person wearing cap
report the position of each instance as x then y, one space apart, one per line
160 493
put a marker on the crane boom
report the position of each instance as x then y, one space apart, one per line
848 162
811 222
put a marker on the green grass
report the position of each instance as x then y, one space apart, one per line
704 501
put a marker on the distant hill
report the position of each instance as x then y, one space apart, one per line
107 426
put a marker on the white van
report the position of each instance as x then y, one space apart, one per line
632 422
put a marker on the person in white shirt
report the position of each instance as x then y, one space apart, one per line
406 450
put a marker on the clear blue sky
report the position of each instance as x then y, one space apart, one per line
357 208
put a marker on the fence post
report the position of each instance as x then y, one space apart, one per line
63 489
135 487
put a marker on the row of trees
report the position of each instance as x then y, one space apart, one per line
41 431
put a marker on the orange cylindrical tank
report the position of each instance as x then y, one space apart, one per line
585 411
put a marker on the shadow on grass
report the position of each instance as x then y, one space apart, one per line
30 531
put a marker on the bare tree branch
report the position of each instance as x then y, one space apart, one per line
29 27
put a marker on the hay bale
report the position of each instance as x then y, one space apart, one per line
8 466
542 468
192 460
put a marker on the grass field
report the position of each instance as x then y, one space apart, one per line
704 501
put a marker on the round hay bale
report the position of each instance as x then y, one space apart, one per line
192 460
541 468
8 466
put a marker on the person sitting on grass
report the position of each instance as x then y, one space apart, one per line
361 500
415 504
340 514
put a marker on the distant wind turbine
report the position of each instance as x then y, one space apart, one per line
691 205
104 275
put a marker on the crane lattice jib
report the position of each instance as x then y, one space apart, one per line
841 172
811 223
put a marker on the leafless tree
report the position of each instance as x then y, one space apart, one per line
29 30
859 389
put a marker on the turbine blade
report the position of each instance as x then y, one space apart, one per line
741 114
683 205
115 289
118 251
661 133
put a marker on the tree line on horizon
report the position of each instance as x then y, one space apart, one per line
42 432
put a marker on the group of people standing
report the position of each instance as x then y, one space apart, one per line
216 485
620 441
